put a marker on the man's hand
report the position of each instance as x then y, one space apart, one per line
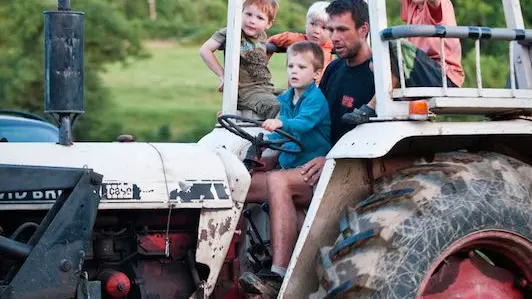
221 84
311 171
272 124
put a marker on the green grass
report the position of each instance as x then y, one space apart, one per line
170 96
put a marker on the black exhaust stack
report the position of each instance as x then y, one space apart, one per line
63 67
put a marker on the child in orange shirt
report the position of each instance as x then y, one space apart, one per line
315 30
421 55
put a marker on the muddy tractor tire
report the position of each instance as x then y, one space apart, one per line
457 206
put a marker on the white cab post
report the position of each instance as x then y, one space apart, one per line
386 108
232 56
381 57
522 61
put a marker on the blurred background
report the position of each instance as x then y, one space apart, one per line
143 73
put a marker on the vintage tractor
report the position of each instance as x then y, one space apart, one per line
405 207
409 206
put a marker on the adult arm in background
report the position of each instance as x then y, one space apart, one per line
434 8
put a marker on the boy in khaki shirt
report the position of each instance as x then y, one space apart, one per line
255 90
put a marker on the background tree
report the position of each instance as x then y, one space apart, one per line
152 4
109 37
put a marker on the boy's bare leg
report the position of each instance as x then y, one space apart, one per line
286 187
258 189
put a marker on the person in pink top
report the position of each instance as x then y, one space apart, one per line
436 12
421 55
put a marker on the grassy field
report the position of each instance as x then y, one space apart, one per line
172 95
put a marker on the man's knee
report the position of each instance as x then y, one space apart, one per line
289 183
277 182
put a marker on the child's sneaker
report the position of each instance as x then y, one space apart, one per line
359 116
265 283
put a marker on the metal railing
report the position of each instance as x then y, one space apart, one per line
474 100
397 33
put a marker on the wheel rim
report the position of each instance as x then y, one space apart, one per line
508 263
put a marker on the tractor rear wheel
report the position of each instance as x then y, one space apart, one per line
459 224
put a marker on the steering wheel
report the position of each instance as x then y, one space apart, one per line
277 144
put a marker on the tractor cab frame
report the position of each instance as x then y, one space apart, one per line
402 132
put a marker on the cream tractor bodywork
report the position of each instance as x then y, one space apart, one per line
160 176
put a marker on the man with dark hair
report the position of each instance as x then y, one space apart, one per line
348 81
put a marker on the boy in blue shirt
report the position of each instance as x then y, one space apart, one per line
304 110
304 113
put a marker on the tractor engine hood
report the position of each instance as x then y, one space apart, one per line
135 175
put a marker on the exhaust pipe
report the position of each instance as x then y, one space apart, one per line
63 67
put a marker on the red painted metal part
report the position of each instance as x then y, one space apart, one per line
227 286
471 278
456 275
165 277
115 284
180 243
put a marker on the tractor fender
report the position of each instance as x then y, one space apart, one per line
217 226
375 140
